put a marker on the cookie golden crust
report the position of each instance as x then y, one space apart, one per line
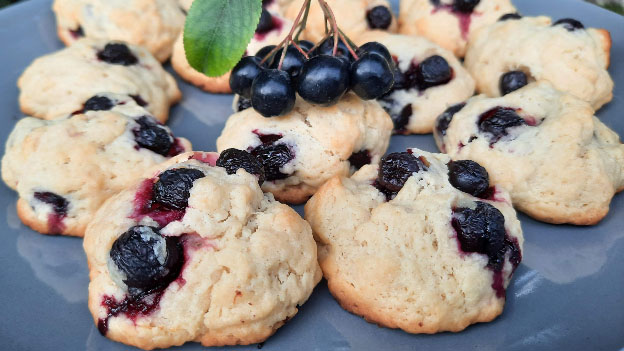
63 170
560 164
249 263
446 27
573 61
351 16
399 263
59 83
320 141
154 24
425 105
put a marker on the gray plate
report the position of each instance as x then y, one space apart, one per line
568 294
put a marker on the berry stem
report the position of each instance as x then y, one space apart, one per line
288 39
346 41
304 21
329 14
294 43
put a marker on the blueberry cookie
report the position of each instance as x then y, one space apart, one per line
559 163
58 84
354 17
303 149
418 242
64 169
516 51
153 24
428 79
271 30
451 23
198 253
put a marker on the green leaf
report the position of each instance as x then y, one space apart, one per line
217 32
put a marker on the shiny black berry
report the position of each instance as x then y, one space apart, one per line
371 76
396 168
272 93
293 61
379 17
146 259
512 81
482 230
510 16
306 45
465 6
273 158
498 120
373 47
233 159
266 22
242 104
153 136
265 51
323 80
243 75
59 204
326 47
433 71
360 159
98 103
174 186
444 120
117 54
469 177
570 24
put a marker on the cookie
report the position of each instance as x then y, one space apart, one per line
559 163
428 79
517 51
354 17
450 23
64 169
272 35
311 144
153 24
223 263
58 84
402 246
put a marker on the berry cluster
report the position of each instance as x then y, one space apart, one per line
321 74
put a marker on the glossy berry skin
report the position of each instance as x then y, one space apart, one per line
266 22
371 76
98 103
482 230
433 71
243 75
512 81
327 48
117 54
373 47
570 24
153 136
242 104
265 51
379 17
59 204
273 157
509 16
323 80
444 120
147 259
360 159
306 45
469 177
173 187
272 93
498 120
465 6
396 168
293 61
233 159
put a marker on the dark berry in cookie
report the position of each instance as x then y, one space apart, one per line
433 71
139 100
323 80
360 159
379 17
59 204
233 159
481 230
293 61
373 47
326 47
117 54
77 33
273 158
570 24
146 259
98 103
509 16
371 76
444 120
498 120
242 104
173 187
396 168
401 120
243 75
469 177
272 93
266 22
512 81
465 6
153 136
